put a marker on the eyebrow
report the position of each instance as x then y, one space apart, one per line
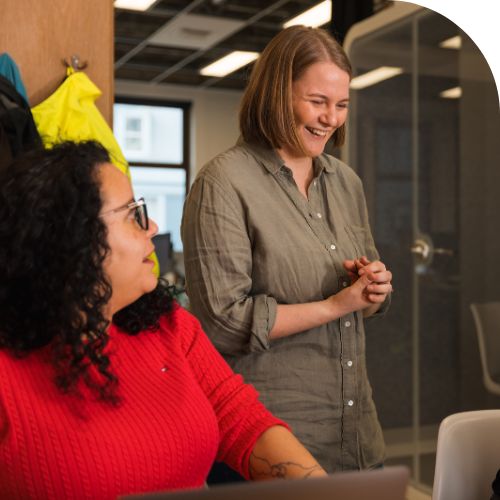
322 96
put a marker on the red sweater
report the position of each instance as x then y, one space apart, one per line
182 407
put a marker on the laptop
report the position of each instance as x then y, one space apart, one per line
389 483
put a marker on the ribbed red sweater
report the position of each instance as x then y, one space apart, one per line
182 407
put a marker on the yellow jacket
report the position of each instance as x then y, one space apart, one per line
70 114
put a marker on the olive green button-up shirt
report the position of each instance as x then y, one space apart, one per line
252 241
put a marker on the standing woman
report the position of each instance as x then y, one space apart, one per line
280 262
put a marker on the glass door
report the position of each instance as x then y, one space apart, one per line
407 140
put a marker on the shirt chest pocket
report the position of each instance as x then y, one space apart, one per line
357 237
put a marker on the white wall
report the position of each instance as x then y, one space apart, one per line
214 115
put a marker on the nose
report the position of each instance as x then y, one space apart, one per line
330 117
153 228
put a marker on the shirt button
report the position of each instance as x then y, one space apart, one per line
318 215
349 363
333 247
347 324
350 402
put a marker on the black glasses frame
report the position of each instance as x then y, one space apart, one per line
140 212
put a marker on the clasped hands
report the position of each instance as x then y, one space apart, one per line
369 279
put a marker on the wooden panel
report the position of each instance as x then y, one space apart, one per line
39 34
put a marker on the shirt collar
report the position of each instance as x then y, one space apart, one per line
324 164
273 162
268 157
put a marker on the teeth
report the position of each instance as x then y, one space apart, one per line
317 132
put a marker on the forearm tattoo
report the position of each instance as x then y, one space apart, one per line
261 468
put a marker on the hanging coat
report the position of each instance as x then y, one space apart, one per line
5 151
9 70
70 114
18 132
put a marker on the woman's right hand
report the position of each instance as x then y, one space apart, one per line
352 298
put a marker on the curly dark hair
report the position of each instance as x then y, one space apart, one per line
53 289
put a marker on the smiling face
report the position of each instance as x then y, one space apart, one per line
320 99
127 266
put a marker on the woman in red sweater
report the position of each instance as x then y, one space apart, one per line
107 387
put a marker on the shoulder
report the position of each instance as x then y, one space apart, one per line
180 326
342 173
178 318
228 165
227 180
339 167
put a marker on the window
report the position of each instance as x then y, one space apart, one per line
154 137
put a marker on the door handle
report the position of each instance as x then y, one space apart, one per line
444 251
423 249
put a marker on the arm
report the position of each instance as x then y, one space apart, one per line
295 318
278 454
218 263
252 441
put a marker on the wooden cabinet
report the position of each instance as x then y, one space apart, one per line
39 34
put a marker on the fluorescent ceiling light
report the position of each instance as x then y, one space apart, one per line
134 4
316 16
229 63
455 42
374 76
454 93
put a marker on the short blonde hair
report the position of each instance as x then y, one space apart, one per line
266 112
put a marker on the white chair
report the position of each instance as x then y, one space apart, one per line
468 456
487 320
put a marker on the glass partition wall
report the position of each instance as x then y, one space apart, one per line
426 143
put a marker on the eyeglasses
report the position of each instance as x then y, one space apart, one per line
140 212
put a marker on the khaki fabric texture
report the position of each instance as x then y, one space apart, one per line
252 241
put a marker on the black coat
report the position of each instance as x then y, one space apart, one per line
18 131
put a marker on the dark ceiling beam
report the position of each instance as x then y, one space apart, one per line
345 13
144 66
160 12
127 39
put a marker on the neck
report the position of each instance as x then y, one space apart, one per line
302 169
299 164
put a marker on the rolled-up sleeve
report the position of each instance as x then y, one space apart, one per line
218 262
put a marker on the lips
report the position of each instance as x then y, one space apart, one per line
149 255
317 132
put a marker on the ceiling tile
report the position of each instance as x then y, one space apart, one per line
137 25
195 31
